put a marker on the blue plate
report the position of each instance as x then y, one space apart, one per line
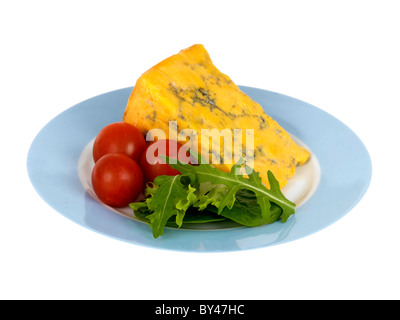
343 159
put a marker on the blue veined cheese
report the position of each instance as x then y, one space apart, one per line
189 91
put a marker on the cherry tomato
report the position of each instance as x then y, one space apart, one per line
117 179
119 137
151 163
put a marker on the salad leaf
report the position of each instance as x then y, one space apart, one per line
202 193
246 211
169 197
194 216
210 194
234 183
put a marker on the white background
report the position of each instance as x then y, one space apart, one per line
341 56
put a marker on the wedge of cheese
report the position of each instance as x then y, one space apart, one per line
188 91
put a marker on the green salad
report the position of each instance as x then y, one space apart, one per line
203 193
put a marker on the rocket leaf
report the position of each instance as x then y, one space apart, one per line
169 197
246 211
203 193
235 182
